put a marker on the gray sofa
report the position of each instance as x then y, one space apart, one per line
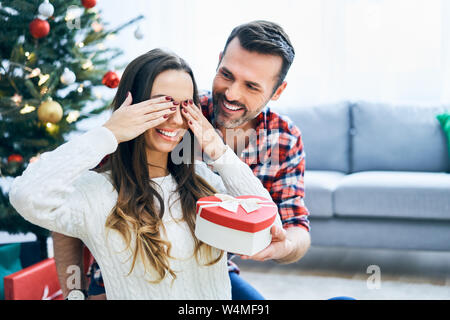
376 175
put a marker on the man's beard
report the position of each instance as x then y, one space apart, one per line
233 123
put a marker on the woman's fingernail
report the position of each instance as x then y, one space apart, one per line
184 110
176 103
169 98
173 109
185 103
190 122
191 101
165 116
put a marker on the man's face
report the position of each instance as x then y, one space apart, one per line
243 85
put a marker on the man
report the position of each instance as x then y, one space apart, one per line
251 72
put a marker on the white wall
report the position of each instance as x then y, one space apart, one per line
379 50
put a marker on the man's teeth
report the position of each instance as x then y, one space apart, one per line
229 106
167 133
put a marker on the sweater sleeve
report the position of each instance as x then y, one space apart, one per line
56 192
238 179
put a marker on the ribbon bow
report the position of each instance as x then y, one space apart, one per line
232 204
45 296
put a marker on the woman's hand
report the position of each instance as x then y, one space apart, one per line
210 141
131 120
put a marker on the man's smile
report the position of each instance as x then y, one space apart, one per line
230 107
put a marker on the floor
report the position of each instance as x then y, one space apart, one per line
327 272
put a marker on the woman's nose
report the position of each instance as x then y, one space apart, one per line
176 117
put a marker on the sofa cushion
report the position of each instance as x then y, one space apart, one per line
417 195
319 188
397 138
325 134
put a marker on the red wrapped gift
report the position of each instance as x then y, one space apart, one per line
37 282
238 225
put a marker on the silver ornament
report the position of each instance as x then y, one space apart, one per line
138 33
68 77
46 9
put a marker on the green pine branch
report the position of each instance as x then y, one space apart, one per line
23 133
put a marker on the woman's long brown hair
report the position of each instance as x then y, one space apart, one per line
140 208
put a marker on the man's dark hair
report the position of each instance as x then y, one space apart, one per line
267 38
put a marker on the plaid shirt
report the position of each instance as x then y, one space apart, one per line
277 158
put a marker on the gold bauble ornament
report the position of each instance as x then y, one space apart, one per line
50 111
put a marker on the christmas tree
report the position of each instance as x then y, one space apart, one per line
53 57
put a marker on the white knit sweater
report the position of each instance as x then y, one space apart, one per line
60 192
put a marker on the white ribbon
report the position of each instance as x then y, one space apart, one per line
232 204
45 296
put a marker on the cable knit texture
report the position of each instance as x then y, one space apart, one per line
60 192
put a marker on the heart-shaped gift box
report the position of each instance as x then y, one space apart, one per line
239 225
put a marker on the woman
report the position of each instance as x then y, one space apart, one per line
137 214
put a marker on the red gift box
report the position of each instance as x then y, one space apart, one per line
37 282
239 225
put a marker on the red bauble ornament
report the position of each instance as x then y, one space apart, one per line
15 158
111 79
89 3
39 28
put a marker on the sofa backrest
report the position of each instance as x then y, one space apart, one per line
397 138
325 135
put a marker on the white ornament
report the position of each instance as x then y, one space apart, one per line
46 9
68 77
138 33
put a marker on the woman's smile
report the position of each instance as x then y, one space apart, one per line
169 134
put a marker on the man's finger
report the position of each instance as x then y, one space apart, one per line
262 255
278 234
